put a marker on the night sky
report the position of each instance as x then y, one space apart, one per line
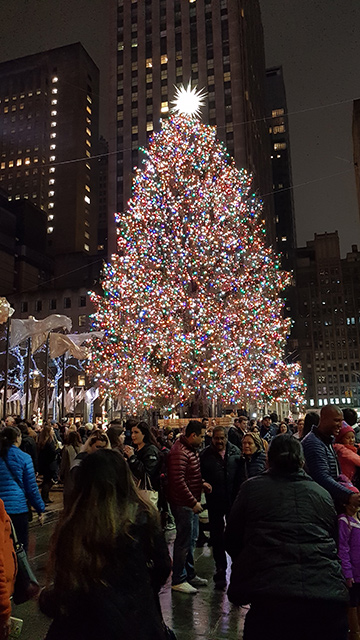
318 44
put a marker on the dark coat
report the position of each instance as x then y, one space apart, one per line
281 538
147 462
28 445
250 467
184 474
235 436
222 474
47 458
126 605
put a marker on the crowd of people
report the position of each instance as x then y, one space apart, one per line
282 501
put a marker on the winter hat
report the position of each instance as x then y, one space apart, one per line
343 431
89 426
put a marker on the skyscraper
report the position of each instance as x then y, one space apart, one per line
214 44
49 114
281 166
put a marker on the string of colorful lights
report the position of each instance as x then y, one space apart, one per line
191 301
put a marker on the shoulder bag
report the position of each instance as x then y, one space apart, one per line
26 585
148 493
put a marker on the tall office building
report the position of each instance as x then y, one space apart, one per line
281 166
49 114
327 327
215 44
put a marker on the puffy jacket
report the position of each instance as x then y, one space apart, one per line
349 546
323 466
349 459
184 474
13 495
253 466
8 565
147 462
281 538
223 475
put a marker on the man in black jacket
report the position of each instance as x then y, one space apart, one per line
220 468
237 432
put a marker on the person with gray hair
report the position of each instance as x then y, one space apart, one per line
281 538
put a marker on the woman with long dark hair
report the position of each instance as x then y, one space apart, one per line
18 483
108 559
144 458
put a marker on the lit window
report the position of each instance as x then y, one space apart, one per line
54 101
149 63
36 159
87 200
50 229
3 165
11 163
88 131
52 158
38 92
88 167
279 145
312 402
149 126
277 112
86 235
54 91
50 205
88 143
53 124
54 79
88 109
18 162
164 107
88 99
6 109
86 247
17 197
52 170
164 59
87 153
53 113
283 239
227 76
87 187
27 161
52 181
53 135
279 129
52 147
51 194
50 217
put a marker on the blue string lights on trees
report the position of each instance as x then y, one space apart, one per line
191 300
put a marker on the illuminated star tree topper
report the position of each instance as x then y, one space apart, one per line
188 101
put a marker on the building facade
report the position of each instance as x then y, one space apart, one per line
216 45
327 327
281 167
49 115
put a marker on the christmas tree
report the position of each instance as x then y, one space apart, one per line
191 300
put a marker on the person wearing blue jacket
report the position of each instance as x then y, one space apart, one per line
18 483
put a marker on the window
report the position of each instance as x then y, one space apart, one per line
52 304
82 301
277 112
279 145
38 305
24 307
67 303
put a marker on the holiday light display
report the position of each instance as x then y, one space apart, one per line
191 300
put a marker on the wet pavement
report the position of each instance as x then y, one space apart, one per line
207 614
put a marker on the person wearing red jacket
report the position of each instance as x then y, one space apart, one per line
184 494
347 451
8 569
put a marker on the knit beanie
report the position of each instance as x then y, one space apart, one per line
343 431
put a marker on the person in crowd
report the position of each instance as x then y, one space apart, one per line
18 483
349 554
108 559
350 417
116 435
253 459
185 485
219 464
282 429
299 428
267 431
281 538
321 460
312 419
70 451
144 458
209 428
10 421
28 444
48 462
347 452
237 432
98 440
8 569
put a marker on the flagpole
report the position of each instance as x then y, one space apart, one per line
7 358
46 401
27 386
